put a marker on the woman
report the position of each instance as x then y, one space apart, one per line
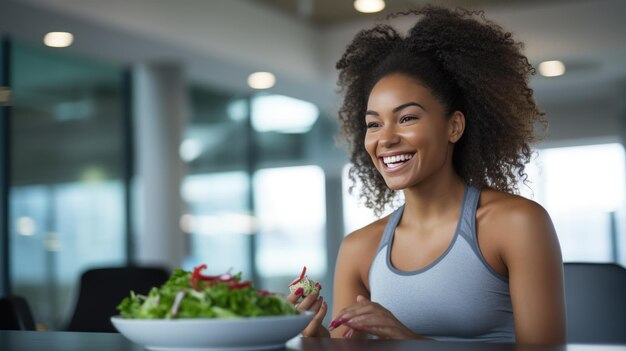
444 115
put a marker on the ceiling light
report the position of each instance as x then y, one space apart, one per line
261 80
551 68
369 6
58 39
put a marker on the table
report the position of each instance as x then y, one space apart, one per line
73 341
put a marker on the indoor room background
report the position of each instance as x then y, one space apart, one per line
142 143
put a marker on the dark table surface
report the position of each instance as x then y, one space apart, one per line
72 341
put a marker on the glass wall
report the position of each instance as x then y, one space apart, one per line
4 151
216 191
247 208
581 187
66 212
291 214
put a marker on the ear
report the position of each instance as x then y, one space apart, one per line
456 126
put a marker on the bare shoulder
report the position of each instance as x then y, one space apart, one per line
514 223
366 237
359 248
500 206
519 241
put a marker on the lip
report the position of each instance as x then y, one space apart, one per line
397 169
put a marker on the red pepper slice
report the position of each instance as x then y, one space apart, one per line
240 285
297 280
197 270
195 276
217 278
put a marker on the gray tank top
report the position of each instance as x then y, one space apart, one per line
458 297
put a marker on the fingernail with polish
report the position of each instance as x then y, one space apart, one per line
334 324
299 291
347 333
319 286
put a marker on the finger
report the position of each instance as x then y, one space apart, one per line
316 323
307 302
321 312
359 309
376 324
348 333
343 317
363 306
363 321
315 307
317 304
294 296
361 298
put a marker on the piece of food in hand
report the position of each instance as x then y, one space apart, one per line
195 295
309 286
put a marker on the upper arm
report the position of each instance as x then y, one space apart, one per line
348 281
533 259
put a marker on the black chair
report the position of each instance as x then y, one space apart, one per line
595 297
102 290
15 314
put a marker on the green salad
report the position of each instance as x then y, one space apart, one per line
194 295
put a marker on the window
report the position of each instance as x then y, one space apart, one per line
66 205
216 190
218 222
356 215
291 213
582 188
288 227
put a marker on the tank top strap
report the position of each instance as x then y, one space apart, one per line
390 228
467 227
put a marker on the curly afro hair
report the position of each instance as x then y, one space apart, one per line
470 65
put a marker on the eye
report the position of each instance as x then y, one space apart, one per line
372 125
408 118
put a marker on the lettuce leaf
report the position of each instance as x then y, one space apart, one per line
211 300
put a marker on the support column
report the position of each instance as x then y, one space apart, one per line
5 165
334 230
619 229
159 98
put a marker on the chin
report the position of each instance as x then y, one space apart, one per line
396 187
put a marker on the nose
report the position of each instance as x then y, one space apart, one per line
388 136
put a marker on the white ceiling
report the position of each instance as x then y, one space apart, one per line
221 41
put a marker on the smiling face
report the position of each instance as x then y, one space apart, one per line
409 136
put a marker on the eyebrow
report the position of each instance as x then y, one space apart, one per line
396 109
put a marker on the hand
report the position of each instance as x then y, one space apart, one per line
314 303
371 318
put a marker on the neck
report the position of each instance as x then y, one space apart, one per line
431 201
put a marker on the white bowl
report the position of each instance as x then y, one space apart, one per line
254 333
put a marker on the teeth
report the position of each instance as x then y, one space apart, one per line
395 161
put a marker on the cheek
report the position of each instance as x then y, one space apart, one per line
370 145
422 138
430 138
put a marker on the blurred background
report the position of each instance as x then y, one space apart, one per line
143 138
